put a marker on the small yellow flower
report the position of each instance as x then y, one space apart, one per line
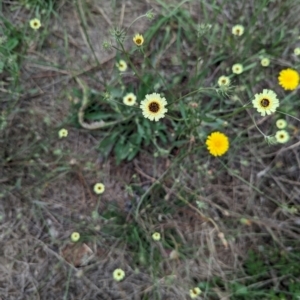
265 62
122 65
297 51
75 236
99 188
281 123
195 292
138 39
282 136
129 99
288 79
35 23
266 102
238 30
118 274
217 143
153 107
237 68
156 236
223 81
63 133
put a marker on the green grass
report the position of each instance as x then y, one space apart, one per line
228 224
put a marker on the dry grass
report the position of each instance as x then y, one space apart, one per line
46 184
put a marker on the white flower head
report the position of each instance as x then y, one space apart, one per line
266 102
153 107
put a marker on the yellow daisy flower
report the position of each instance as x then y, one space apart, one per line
217 143
122 65
265 62
281 123
223 81
288 79
237 68
129 99
99 188
195 292
63 133
35 24
156 236
266 102
138 39
75 236
238 30
118 274
282 136
297 51
153 107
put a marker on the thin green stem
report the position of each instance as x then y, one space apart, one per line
180 158
135 21
288 115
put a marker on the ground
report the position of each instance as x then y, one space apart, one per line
229 225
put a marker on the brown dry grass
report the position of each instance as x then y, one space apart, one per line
46 195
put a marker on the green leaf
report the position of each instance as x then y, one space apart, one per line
207 119
162 137
136 139
133 153
182 108
140 129
1 66
179 143
11 44
240 289
100 115
116 93
147 137
106 145
121 150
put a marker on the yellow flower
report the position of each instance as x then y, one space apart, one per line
35 23
282 136
217 143
63 133
195 292
237 68
122 65
223 81
99 188
138 39
288 79
129 99
153 107
297 51
156 236
238 30
118 274
265 62
266 102
75 236
281 123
